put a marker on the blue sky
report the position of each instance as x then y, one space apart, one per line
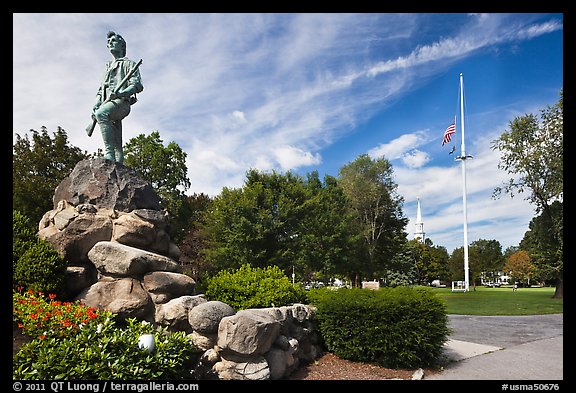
310 91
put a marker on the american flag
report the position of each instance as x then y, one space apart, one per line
448 133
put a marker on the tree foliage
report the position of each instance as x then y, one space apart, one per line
377 206
519 265
532 151
486 257
283 220
541 243
195 238
39 164
165 168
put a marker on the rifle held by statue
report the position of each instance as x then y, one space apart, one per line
90 128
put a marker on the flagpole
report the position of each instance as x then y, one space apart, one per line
463 157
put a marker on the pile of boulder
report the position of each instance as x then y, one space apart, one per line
108 225
252 344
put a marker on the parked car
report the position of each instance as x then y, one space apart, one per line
492 284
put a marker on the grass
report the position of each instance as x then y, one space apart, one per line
501 301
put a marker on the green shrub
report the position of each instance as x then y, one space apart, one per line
41 269
398 327
105 351
249 287
23 235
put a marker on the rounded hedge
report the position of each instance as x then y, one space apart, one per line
23 235
249 287
400 327
41 269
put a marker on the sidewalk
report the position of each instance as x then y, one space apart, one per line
536 360
524 348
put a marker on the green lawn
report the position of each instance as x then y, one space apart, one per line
501 301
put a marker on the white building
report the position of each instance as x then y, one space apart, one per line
419 232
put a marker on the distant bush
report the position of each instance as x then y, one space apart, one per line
400 327
249 287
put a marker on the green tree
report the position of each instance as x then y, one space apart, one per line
195 239
422 262
532 150
328 236
283 220
39 164
456 265
165 168
257 224
486 258
541 242
438 265
370 186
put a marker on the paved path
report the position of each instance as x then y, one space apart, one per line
504 348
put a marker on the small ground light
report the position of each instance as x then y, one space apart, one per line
146 341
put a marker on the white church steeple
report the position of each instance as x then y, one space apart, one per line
419 232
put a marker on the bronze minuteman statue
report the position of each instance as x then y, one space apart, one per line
116 94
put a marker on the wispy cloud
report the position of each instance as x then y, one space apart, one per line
237 91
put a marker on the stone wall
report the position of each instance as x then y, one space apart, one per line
257 344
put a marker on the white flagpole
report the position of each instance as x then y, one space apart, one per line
463 157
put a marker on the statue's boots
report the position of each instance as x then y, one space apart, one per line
109 116
108 130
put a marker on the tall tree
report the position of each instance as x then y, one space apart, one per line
532 151
165 168
519 265
544 247
328 241
195 239
39 164
486 257
258 223
281 219
428 262
370 186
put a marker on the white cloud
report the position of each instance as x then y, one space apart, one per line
239 117
398 147
415 158
290 157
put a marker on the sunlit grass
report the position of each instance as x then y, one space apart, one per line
501 301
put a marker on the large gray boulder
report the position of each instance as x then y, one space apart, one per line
165 286
74 230
248 332
124 296
205 318
111 258
174 314
234 367
107 184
